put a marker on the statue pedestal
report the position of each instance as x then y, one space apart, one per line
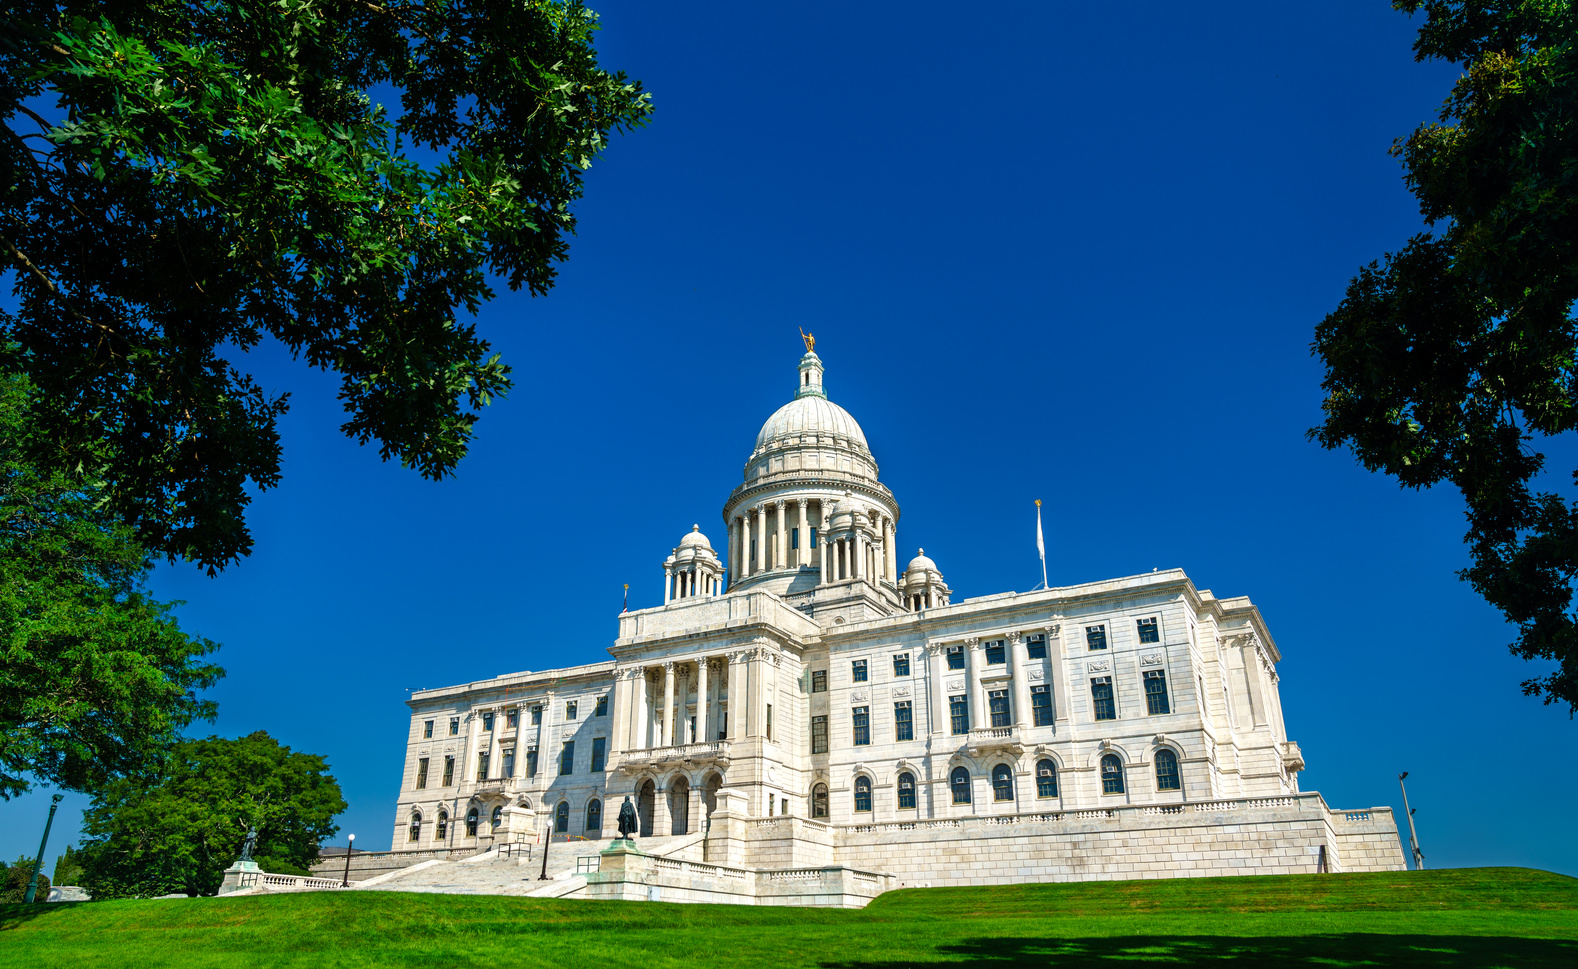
241 874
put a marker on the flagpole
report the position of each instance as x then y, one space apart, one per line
1041 546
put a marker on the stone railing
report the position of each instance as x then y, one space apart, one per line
716 751
247 875
995 738
1311 802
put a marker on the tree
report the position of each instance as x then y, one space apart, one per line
181 832
68 867
14 878
96 679
217 174
1447 360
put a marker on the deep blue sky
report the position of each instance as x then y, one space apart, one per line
1048 251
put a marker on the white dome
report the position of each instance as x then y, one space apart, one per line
695 537
920 563
810 419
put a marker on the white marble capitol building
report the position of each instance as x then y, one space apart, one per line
815 709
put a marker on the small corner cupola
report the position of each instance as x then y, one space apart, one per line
923 587
693 570
811 377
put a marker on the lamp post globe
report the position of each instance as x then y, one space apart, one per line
346 881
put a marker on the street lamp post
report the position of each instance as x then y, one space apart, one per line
32 883
547 839
346 882
1413 836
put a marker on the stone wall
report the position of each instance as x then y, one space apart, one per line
368 864
632 875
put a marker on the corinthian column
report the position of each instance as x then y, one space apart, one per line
801 553
781 541
888 551
1016 668
665 738
701 699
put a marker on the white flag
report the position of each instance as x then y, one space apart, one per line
1041 545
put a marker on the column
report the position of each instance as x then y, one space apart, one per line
979 715
936 659
701 699
668 578
666 727
781 543
735 532
745 545
858 557
753 691
825 560
620 718
802 554
736 718
1058 671
1017 667
889 551
495 761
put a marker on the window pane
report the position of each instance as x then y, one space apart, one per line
1156 692
1002 783
454 727
1096 637
421 773
569 711
512 719
427 729
567 758
996 653
1036 647
959 713
906 790
602 706
1111 775
862 794
1167 771
449 771
1000 716
956 657
819 681
561 817
819 801
531 762
960 782
1046 779
1101 694
536 715
1148 631
903 724
482 767
594 816
509 764
487 721
1041 705
858 671
599 753
862 726
901 664
818 735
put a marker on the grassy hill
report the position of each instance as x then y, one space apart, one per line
1513 917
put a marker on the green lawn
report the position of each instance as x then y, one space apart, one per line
1513 917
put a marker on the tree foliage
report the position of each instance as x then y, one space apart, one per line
183 180
179 833
14 878
96 678
1448 359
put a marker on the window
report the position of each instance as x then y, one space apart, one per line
863 794
857 671
498 815
1036 646
416 826
794 534
509 763
959 781
569 710
959 713
1148 631
1041 705
442 830
813 536
601 710
818 735
594 816
1156 692
903 722
906 791
1096 637
471 823
536 715
454 726
1111 775
999 708
449 771
862 717
512 719
769 721
599 754
1046 779
427 729
901 664
1167 771
421 773
482 766
487 721
956 657
531 761
996 653
1101 695
819 801
561 818
819 681
567 758
1002 783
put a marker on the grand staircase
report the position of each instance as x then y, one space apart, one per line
492 873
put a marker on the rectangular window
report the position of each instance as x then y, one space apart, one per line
857 671
794 538
509 763
454 726
569 710
996 653
1041 705
769 721
901 664
1101 693
482 766
819 681
449 771
427 729
956 657
818 735
601 710
1096 637
1148 631
903 721
813 536
512 719
487 722
959 713
1036 647
1156 692
862 726
536 715
421 773
567 758
999 705
599 754
531 761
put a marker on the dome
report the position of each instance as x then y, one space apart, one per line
811 419
695 537
920 563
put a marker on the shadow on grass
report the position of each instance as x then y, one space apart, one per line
1326 951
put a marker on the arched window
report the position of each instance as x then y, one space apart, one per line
442 831
863 794
498 815
1002 783
471 823
1167 771
1046 779
594 816
960 782
561 817
906 790
819 801
416 825
1111 775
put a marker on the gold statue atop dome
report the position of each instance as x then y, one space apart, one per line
809 339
